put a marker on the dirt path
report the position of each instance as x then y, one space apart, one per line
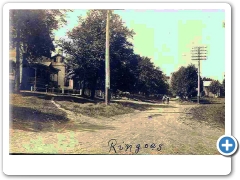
156 131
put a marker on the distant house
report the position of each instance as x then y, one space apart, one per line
42 73
206 90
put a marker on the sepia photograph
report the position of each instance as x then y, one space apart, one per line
116 81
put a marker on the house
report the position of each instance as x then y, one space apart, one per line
58 63
206 90
42 73
39 75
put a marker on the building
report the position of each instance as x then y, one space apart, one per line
39 75
206 90
58 63
42 73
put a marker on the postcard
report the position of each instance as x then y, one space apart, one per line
117 89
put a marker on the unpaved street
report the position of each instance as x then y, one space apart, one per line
165 130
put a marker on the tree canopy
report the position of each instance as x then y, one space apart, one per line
33 30
85 48
207 79
223 87
184 82
31 34
32 37
215 87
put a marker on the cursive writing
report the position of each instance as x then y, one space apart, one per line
115 147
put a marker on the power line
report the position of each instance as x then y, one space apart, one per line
199 53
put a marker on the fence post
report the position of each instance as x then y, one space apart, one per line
80 92
62 90
31 88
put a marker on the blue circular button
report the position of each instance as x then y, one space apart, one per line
227 145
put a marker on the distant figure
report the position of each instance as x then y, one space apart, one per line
165 99
168 100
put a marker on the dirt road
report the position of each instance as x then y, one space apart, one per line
164 130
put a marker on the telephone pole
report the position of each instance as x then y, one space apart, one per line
199 53
107 66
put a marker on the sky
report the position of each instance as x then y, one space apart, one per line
167 37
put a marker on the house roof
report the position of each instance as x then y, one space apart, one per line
206 83
57 55
44 65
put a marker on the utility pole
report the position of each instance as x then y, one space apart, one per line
198 98
199 53
107 66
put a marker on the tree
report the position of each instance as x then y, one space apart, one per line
129 72
86 47
207 79
185 81
151 79
215 87
223 87
31 35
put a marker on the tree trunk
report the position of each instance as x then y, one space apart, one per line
92 92
17 70
93 88
83 87
146 94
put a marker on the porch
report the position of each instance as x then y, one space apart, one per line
39 75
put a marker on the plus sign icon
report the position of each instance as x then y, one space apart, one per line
227 145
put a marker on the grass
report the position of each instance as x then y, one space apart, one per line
99 109
203 100
35 111
209 100
96 110
34 114
213 114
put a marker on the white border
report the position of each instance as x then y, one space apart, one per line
115 165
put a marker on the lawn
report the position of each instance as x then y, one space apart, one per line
96 110
210 111
99 109
212 114
33 113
